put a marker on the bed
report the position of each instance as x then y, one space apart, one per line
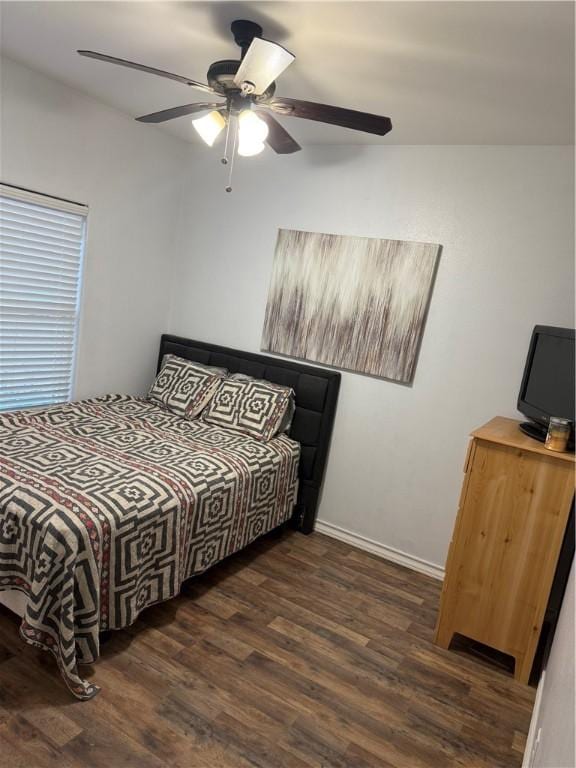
108 505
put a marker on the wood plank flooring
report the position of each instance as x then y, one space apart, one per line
300 651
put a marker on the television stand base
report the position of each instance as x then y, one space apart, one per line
534 430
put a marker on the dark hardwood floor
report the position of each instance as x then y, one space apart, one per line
300 651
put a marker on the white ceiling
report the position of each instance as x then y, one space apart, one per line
445 72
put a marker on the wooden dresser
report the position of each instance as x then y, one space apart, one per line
514 506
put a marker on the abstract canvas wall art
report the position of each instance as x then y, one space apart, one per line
357 303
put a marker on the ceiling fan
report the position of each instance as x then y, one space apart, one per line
248 87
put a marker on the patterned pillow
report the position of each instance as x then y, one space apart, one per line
286 421
185 387
253 407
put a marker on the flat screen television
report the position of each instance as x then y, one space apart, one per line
548 383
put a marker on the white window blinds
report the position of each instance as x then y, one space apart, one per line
41 249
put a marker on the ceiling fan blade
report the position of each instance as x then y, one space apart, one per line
278 137
263 63
173 112
144 68
324 113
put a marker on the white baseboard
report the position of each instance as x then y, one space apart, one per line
383 551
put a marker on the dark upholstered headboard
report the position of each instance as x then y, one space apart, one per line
316 392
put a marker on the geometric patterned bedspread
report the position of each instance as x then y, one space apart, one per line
107 505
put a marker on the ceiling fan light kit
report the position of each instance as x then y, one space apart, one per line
210 126
248 86
252 133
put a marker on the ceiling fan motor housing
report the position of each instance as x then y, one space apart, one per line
221 74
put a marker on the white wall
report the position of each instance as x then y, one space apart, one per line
504 216
551 739
56 140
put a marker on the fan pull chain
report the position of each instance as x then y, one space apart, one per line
224 160
231 169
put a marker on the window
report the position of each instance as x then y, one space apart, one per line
41 249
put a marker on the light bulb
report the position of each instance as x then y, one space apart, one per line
251 127
209 127
252 132
250 148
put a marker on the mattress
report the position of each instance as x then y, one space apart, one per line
107 505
